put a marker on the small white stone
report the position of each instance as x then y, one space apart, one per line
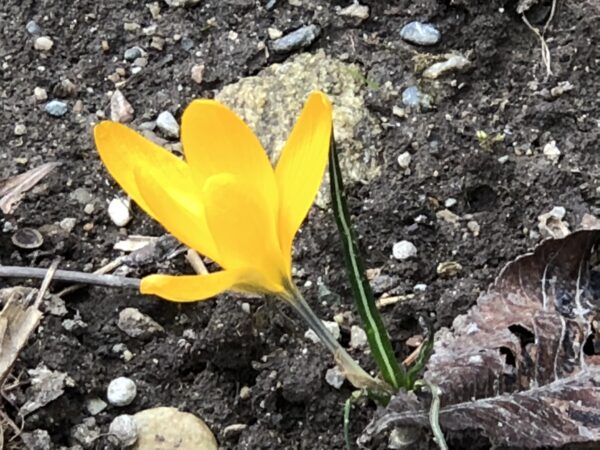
89 208
450 202
121 391
503 159
355 10
245 392
552 152
420 287
119 211
68 223
198 73
43 43
473 227
358 337
95 405
274 33
404 160
332 327
40 94
403 250
120 109
167 124
123 429
335 377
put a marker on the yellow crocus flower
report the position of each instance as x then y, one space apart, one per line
225 200
229 203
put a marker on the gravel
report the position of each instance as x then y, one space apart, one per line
301 38
121 391
420 33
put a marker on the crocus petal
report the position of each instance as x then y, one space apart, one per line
123 151
215 140
300 168
243 230
191 288
180 212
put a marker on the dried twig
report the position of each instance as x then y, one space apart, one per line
546 56
196 262
70 276
101 271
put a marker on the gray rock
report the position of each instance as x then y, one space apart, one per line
121 391
56 108
301 38
332 327
403 250
37 440
86 433
33 28
383 283
81 196
414 98
358 337
187 44
271 101
95 405
167 124
136 324
46 385
123 430
404 160
355 10
420 33
180 3
120 109
132 53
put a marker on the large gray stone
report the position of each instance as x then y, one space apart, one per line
271 101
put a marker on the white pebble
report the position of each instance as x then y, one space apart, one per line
450 202
121 391
167 124
334 377
124 429
40 94
198 73
20 129
43 43
332 327
120 109
404 160
358 337
403 250
552 152
119 212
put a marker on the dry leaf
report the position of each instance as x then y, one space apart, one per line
12 189
523 365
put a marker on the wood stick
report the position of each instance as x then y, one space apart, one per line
70 276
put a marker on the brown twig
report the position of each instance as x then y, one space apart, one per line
70 276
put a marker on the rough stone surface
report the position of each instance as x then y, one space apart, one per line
301 38
124 430
137 324
120 109
56 108
404 250
167 429
271 102
168 124
43 43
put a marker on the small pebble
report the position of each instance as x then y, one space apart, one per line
355 10
120 109
453 63
89 208
95 405
334 377
180 3
187 44
503 159
301 38
450 202
136 324
20 129
140 62
332 327
552 152
358 337
132 53
121 391
414 98
420 287
403 250
40 94
27 238
245 393
167 124
198 73
123 430
119 211
43 43
420 33
234 429
56 108
404 160
33 28
473 227
131 26
448 268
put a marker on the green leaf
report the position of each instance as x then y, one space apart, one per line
347 409
377 336
419 365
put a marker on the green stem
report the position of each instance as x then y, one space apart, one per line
352 370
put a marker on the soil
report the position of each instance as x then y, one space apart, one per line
290 406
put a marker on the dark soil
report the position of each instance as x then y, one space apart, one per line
290 405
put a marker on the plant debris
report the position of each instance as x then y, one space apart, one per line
12 189
522 366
